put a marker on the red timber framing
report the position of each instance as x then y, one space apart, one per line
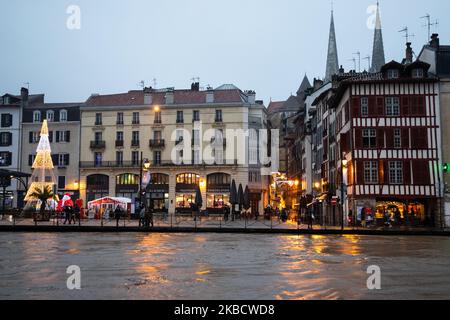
408 139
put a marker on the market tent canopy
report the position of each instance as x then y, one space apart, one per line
114 200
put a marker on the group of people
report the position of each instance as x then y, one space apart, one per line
282 214
72 214
146 217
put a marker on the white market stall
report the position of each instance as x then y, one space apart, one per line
99 207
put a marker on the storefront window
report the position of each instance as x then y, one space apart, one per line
127 179
184 200
188 178
400 213
217 201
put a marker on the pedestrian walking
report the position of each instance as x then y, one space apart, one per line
142 216
117 214
77 210
67 215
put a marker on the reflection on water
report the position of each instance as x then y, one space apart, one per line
222 266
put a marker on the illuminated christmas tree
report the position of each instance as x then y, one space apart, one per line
43 175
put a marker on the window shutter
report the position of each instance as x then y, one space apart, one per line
380 106
67 136
405 138
55 158
356 106
380 138
389 138
405 106
10 119
358 139
406 172
360 172
50 136
372 107
30 137
8 158
57 136
30 160
10 138
66 159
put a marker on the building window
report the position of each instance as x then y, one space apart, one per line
50 116
369 138
5 159
397 138
364 107
219 116
180 118
392 106
371 172
196 115
196 138
6 120
158 117
135 158
119 158
157 135
119 120
417 73
5 139
393 74
127 179
135 139
188 178
196 157
62 182
396 172
98 158
136 118
36 116
34 137
63 136
63 160
119 136
157 157
6 100
98 119
179 137
63 116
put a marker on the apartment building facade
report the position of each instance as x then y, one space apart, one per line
64 135
182 134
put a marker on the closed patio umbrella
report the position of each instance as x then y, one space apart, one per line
246 198
198 198
233 193
240 196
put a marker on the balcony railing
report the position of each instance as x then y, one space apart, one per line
132 164
135 143
119 143
98 144
157 143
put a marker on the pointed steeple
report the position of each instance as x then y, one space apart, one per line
305 85
378 59
332 57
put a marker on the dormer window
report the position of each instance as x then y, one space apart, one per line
50 116
6 100
36 116
393 74
417 73
63 116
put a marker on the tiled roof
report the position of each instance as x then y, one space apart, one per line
275 105
158 98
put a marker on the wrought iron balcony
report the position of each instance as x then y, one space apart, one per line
164 163
157 143
135 143
98 144
119 143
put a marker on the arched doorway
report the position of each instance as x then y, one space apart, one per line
187 184
217 192
157 192
127 186
97 186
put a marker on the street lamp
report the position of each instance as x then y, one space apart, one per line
343 167
145 165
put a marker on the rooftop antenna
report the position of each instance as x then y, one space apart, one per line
354 62
429 24
142 84
407 35
154 83
359 60
195 79
368 61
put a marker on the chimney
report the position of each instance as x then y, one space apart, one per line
210 96
409 53
148 98
170 96
195 86
435 41
251 95
24 96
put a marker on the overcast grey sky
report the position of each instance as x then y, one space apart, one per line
264 45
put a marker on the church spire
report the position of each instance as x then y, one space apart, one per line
332 58
378 59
